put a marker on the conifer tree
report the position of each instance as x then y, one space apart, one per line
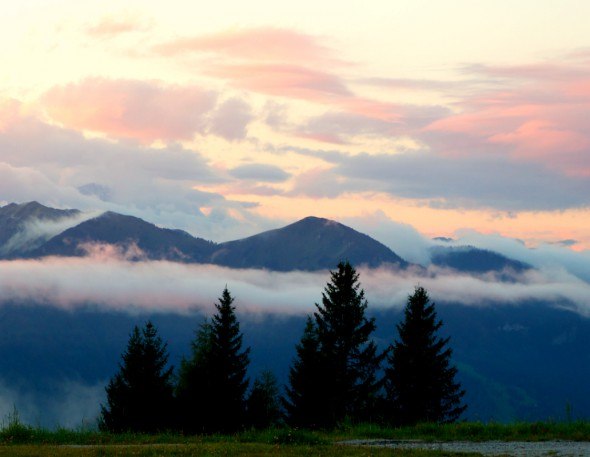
262 406
349 354
307 384
419 379
335 373
194 383
140 395
213 382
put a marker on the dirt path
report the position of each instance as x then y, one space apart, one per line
488 448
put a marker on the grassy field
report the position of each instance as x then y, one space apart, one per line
17 439
213 450
17 433
474 431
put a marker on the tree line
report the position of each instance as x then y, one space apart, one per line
338 372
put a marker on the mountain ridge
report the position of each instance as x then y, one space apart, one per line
332 241
310 244
14 219
114 228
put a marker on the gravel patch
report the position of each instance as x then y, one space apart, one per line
487 448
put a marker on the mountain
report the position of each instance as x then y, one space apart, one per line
33 230
310 244
111 228
15 219
24 212
469 259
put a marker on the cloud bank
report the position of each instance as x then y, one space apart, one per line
108 280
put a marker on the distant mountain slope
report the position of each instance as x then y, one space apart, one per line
469 259
112 228
13 222
33 210
310 244
33 230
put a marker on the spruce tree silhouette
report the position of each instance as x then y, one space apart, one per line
213 382
337 356
420 382
262 406
193 401
307 384
140 395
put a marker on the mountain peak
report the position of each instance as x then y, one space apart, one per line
12 208
34 210
312 243
14 219
123 230
313 219
33 204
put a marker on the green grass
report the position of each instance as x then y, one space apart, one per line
213 449
18 433
17 439
474 431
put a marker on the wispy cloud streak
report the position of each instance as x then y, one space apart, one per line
263 44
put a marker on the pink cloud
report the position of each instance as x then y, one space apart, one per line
579 89
302 83
113 25
483 123
531 112
283 80
260 44
537 137
145 111
372 109
557 70
10 113
280 62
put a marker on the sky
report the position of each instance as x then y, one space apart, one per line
452 117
